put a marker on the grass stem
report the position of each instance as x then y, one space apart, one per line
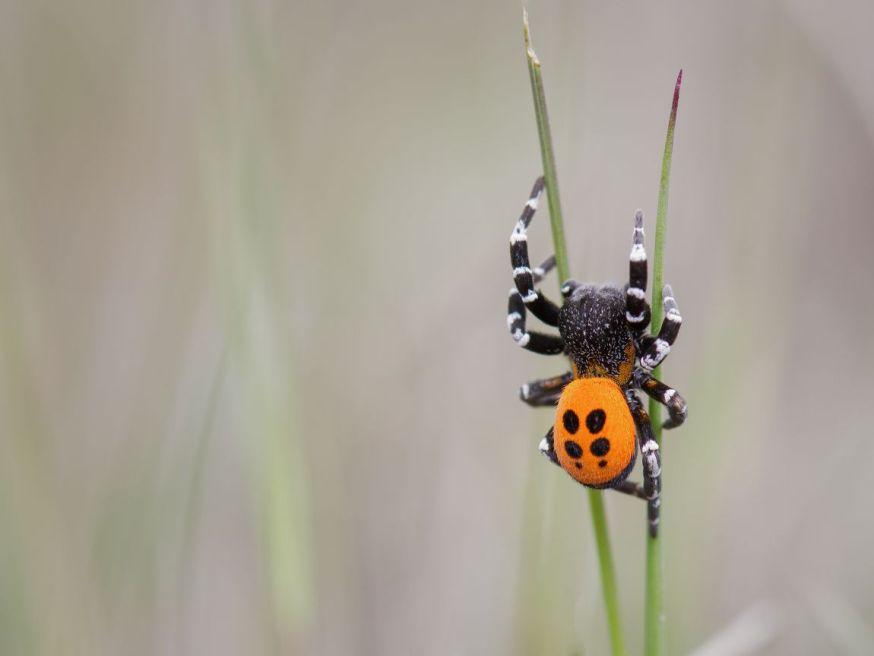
596 500
655 614
548 155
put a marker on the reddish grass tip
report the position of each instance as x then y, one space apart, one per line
677 92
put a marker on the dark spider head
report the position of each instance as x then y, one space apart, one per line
595 331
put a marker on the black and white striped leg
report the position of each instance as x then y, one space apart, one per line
658 350
533 341
652 467
540 306
547 447
667 396
541 271
637 311
545 391
644 342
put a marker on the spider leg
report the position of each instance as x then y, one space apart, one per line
533 341
547 447
633 489
637 311
540 306
658 350
545 391
667 396
541 271
644 342
652 469
567 289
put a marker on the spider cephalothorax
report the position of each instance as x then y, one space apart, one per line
599 423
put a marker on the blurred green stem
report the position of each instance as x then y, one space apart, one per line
655 614
596 501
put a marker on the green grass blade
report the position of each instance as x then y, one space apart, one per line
596 501
655 614
548 156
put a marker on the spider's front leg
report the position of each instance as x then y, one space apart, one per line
523 296
540 306
531 340
637 310
656 350
652 468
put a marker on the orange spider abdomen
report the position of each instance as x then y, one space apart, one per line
594 434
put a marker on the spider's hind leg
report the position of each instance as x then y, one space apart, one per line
547 447
652 468
632 489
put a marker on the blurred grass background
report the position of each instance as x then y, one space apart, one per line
256 391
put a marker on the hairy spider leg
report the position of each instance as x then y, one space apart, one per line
516 322
540 306
533 341
652 468
632 489
665 395
523 294
541 271
547 447
657 350
567 289
544 391
637 311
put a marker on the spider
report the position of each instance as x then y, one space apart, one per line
602 331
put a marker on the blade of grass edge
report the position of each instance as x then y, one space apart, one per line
596 501
655 613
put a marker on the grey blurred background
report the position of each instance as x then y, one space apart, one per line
256 389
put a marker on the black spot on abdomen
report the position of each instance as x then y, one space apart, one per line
600 447
573 449
571 421
595 420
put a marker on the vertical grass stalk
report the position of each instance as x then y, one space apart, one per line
548 155
596 501
655 613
